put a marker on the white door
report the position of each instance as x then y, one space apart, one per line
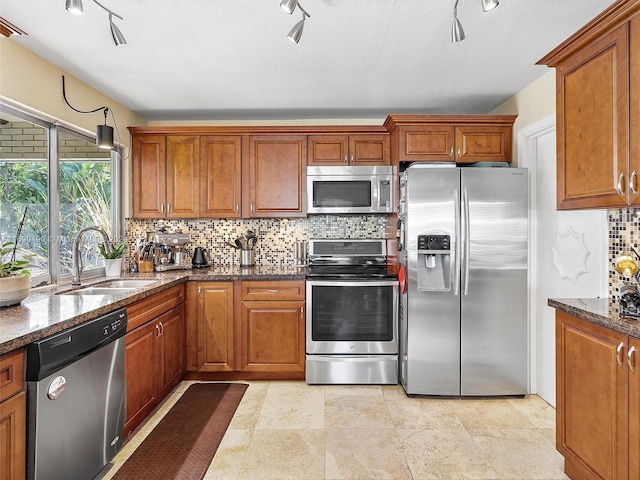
568 251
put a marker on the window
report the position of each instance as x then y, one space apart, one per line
64 183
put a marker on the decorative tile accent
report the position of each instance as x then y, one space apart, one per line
276 237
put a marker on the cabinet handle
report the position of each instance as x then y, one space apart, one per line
199 291
168 208
633 183
252 207
161 329
353 156
157 331
162 208
632 350
237 207
301 313
451 151
619 354
346 158
459 152
272 290
620 184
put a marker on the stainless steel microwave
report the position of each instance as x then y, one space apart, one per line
359 189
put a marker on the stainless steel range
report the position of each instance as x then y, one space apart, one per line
352 313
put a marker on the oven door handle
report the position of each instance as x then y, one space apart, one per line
354 283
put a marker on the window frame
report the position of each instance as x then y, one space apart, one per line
54 130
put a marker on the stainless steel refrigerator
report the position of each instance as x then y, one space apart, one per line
463 246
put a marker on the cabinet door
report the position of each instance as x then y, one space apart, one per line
149 176
369 150
426 142
272 337
215 329
328 150
483 144
183 187
592 113
634 119
633 362
591 415
277 172
220 182
172 361
140 359
13 422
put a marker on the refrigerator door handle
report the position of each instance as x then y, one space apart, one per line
458 252
467 242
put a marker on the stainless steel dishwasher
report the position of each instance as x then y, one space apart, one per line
76 399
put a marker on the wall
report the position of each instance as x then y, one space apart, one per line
531 104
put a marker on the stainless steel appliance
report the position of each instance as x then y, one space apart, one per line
169 250
352 313
359 189
464 253
76 399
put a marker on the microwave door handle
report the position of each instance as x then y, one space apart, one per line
458 251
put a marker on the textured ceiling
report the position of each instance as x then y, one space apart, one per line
231 59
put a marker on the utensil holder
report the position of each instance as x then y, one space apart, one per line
247 258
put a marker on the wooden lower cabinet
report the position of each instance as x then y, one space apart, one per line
596 389
13 416
154 363
246 329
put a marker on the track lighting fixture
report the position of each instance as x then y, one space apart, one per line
457 32
296 32
104 133
75 7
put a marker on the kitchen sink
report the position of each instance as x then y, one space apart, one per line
99 291
125 283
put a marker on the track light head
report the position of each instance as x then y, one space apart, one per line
296 32
74 6
116 34
457 32
488 5
289 5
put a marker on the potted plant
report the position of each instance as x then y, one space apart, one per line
113 259
15 280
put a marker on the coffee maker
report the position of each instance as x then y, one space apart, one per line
169 250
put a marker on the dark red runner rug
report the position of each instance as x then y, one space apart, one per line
183 444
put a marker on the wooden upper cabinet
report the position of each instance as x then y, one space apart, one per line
633 362
462 139
478 143
183 187
634 112
426 142
597 84
276 180
336 150
149 175
220 176
165 176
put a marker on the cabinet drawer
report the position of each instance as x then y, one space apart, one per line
11 374
277 290
145 310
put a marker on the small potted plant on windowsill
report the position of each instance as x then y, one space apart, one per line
113 259
15 280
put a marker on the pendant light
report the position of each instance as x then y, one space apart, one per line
104 133
74 6
488 5
457 32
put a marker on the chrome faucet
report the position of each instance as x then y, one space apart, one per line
77 261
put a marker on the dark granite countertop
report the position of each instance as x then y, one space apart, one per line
47 310
601 311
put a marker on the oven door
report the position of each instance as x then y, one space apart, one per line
352 316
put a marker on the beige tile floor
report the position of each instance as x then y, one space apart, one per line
289 430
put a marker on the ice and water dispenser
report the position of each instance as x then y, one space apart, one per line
434 263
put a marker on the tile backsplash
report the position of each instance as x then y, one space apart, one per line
624 233
276 237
